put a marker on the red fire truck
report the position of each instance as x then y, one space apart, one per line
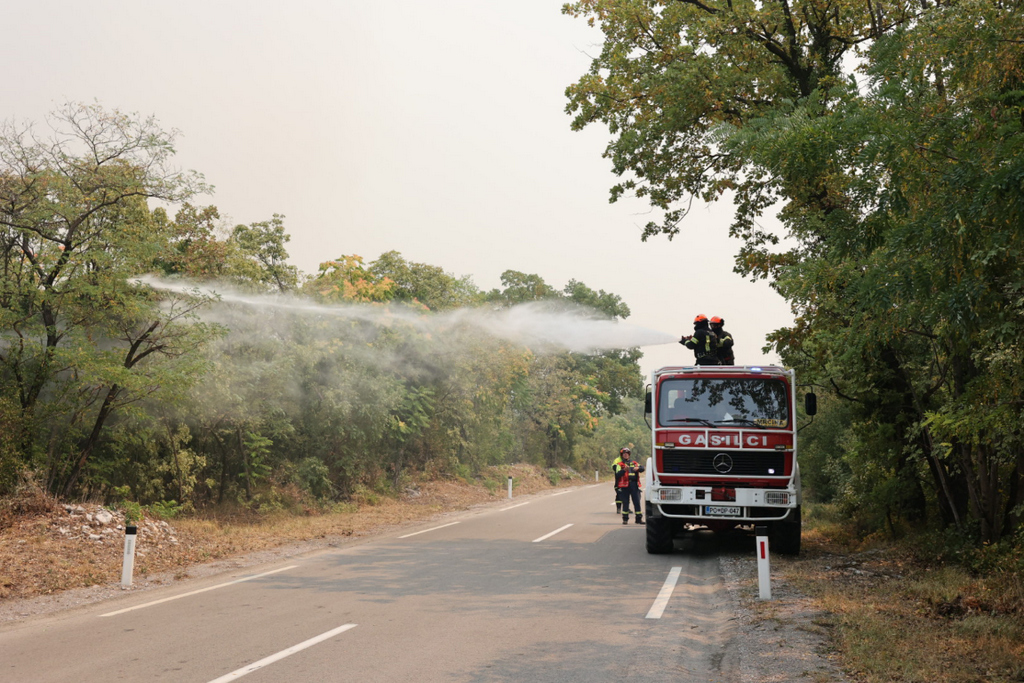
724 442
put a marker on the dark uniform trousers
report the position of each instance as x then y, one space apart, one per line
631 491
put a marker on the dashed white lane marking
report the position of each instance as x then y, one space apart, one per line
238 673
417 533
201 590
513 506
661 602
546 536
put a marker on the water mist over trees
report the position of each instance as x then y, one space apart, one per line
172 358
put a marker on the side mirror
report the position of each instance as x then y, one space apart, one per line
810 403
647 402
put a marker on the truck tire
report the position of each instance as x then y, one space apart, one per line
659 534
786 534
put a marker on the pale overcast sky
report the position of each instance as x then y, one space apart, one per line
436 129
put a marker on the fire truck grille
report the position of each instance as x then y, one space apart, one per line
737 463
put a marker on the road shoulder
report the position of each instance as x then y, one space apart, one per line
783 639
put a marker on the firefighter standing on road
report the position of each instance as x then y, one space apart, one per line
627 483
624 456
702 342
724 353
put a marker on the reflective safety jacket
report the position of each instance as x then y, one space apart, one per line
615 468
627 474
704 345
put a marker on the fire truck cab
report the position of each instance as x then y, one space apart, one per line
724 453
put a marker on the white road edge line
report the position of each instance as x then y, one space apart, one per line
661 602
513 506
546 536
417 533
201 590
562 493
238 673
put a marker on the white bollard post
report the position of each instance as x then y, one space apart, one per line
128 566
510 486
763 563
597 477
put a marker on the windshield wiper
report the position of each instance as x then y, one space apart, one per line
741 420
698 420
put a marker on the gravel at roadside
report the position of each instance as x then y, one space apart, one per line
781 639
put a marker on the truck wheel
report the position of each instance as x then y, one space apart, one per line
786 534
659 534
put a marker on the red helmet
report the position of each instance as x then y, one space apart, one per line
715 320
700 319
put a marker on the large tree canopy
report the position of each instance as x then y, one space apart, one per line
891 136
676 77
75 329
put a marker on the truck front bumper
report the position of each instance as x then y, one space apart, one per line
695 503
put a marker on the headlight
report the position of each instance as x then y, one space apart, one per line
776 497
670 494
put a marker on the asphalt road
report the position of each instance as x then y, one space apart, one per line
546 588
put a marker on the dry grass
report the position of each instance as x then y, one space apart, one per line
894 618
43 548
888 635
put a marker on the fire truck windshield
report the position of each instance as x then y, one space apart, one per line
721 401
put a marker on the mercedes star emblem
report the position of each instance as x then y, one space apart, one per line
722 463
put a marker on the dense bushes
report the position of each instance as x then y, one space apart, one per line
122 374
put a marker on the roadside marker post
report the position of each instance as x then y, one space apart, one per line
510 487
596 476
128 566
763 563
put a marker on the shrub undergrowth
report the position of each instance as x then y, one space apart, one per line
933 607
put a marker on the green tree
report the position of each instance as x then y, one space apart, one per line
615 374
347 279
891 134
626 429
80 339
569 393
674 77
153 354
519 288
260 257
919 293
195 251
422 283
605 304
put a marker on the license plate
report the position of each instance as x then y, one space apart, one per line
723 510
